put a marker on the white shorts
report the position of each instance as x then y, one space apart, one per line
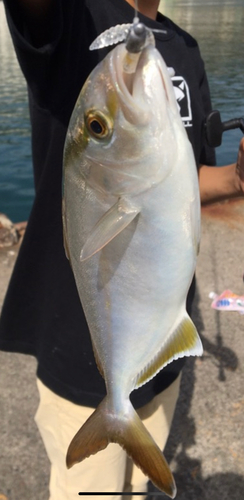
110 470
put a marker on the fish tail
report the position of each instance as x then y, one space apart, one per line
126 429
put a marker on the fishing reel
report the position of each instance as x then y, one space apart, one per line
214 128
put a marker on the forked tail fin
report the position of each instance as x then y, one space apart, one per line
104 427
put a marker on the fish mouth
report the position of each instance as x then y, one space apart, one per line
136 85
135 110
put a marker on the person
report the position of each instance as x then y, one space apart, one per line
42 315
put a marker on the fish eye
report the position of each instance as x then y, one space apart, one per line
98 124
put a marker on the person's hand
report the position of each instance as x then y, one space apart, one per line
240 167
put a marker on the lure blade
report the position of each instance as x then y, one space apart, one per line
111 36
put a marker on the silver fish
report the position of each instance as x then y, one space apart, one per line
131 215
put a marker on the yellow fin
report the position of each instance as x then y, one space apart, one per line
184 341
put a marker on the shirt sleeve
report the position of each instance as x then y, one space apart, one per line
49 69
20 28
33 60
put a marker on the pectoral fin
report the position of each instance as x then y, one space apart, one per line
184 341
111 223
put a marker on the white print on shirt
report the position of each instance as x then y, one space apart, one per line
183 99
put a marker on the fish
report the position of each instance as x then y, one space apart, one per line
131 217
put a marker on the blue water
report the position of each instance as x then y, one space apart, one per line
16 181
218 27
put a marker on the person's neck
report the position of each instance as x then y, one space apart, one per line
148 8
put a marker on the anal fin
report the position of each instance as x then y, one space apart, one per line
184 341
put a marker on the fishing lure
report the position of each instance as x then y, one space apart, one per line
111 36
136 35
227 301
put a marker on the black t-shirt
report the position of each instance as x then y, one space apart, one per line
42 314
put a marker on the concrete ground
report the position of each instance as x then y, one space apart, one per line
206 445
